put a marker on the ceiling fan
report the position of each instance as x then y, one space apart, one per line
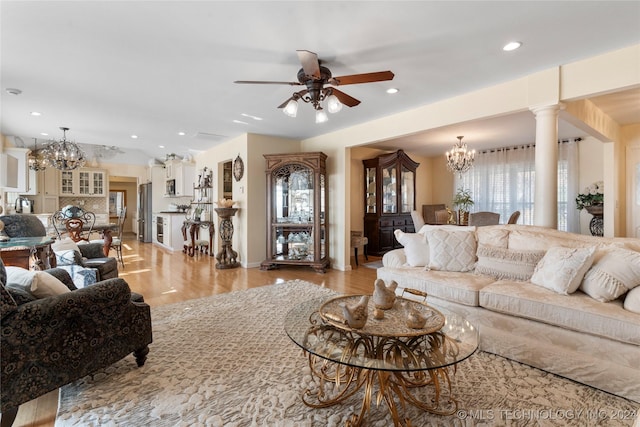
315 76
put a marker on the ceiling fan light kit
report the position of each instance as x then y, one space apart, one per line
315 76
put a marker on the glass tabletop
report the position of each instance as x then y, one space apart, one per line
454 342
25 242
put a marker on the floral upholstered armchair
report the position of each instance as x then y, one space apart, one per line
48 342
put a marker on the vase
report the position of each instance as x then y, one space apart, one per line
596 225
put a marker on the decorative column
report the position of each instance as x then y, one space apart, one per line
227 257
545 207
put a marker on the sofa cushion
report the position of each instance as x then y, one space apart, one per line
577 311
632 300
614 272
451 250
416 248
107 267
462 288
39 283
562 269
493 235
502 263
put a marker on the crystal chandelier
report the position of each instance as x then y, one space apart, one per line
37 158
65 155
459 158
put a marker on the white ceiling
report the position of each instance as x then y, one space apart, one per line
110 69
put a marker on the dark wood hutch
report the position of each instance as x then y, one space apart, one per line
389 182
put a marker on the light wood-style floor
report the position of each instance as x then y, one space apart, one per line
164 277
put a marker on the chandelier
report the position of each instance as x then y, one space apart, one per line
64 155
459 158
37 159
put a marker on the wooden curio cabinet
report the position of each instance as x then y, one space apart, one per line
390 182
297 196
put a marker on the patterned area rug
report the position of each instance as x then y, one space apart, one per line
226 361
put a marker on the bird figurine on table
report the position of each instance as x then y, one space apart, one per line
416 319
384 296
356 315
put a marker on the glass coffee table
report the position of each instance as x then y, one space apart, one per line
386 359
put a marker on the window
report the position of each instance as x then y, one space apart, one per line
503 181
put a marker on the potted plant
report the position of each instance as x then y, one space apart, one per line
463 201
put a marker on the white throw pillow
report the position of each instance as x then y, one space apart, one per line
451 250
614 272
632 300
65 244
501 263
416 248
562 269
41 284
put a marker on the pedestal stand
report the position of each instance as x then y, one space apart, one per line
227 257
596 225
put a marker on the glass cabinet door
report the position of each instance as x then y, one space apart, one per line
370 192
389 190
408 195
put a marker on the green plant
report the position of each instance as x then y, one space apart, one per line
463 200
593 195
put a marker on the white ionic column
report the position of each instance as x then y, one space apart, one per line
545 210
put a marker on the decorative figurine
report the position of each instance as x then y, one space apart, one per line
384 296
415 319
356 315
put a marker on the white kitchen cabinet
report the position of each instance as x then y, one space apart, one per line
184 174
26 183
48 188
171 229
84 183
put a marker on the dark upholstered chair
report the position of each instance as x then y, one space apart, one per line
49 342
514 217
92 254
480 219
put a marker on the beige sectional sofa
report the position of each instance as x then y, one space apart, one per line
511 292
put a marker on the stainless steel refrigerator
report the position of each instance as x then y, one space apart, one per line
145 225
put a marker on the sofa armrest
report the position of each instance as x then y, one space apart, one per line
394 258
92 250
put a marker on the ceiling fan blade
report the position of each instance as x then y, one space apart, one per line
310 64
361 78
347 100
260 82
295 96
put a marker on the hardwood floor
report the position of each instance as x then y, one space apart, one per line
164 277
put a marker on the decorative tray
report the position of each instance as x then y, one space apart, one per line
392 325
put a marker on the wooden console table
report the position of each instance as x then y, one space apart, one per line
32 253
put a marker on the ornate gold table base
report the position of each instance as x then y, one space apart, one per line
396 389
426 389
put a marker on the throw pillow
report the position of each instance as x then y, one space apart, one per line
510 264
562 269
416 248
68 257
65 244
614 272
451 250
632 300
41 284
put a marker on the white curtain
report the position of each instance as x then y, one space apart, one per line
503 181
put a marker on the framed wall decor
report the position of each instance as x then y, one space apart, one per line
238 168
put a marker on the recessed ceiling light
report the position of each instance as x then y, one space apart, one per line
392 90
240 122
182 133
44 134
511 46
160 146
35 113
134 136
